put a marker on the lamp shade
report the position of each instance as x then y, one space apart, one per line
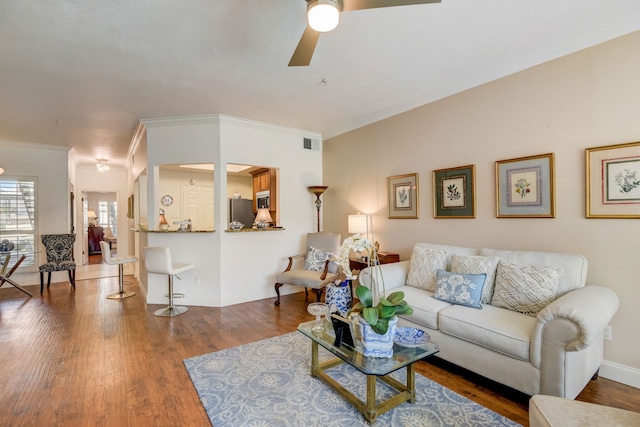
91 214
163 219
263 215
358 224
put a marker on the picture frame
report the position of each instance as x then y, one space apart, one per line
402 196
454 192
525 187
130 207
613 181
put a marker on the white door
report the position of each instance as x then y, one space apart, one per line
197 205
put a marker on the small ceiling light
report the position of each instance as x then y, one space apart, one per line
1 171
323 15
102 165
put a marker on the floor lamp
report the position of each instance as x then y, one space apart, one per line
318 190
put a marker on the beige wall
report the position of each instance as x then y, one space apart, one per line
587 99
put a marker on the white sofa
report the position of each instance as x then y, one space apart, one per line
555 352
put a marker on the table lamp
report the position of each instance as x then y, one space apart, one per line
263 218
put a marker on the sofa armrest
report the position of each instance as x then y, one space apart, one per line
566 344
393 275
590 308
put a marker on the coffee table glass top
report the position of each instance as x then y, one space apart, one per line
402 356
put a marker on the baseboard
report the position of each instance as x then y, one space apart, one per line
620 373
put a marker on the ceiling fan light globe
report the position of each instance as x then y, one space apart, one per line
323 15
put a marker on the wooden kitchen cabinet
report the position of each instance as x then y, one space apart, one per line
266 179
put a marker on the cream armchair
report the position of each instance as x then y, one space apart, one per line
318 269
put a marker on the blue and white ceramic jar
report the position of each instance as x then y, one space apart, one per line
340 297
374 344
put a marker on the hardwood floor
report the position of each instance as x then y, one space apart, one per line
78 359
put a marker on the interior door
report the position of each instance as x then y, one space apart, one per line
197 205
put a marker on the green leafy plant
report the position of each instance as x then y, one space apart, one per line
378 316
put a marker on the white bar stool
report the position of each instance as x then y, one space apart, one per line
158 260
119 261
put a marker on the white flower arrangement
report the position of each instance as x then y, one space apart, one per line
356 243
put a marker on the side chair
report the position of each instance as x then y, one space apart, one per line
59 250
318 270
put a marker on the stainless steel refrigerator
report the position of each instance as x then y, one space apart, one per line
241 210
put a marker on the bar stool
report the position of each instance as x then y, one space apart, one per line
119 261
158 260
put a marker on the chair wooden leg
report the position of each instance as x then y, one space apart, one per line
48 279
595 376
318 294
41 282
72 278
277 287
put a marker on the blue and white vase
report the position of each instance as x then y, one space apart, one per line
374 344
340 297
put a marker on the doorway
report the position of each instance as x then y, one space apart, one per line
101 224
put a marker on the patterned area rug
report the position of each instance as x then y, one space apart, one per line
267 383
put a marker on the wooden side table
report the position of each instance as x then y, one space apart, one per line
383 257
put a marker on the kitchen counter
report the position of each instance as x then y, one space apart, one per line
254 230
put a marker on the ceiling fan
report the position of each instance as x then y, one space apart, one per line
323 16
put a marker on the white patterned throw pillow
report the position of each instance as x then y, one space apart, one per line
477 265
316 259
424 266
524 288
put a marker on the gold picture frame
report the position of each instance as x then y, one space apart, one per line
454 192
525 187
130 207
613 181
402 196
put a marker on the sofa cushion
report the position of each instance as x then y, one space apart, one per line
424 265
425 307
462 289
574 265
477 265
524 288
451 250
504 331
316 259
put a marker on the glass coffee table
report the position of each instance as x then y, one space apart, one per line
373 367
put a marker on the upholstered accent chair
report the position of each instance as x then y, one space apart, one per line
318 269
59 250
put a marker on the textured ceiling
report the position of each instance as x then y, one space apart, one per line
81 73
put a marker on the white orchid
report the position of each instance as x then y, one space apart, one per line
356 243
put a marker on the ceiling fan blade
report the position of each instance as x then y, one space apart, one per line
304 51
348 5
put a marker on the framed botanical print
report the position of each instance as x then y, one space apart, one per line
613 181
402 195
525 187
454 192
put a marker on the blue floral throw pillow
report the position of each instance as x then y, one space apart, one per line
461 289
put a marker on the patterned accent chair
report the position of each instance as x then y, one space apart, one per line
318 270
59 249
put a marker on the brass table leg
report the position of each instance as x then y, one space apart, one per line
371 399
411 382
314 358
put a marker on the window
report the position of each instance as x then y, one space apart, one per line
108 215
18 217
